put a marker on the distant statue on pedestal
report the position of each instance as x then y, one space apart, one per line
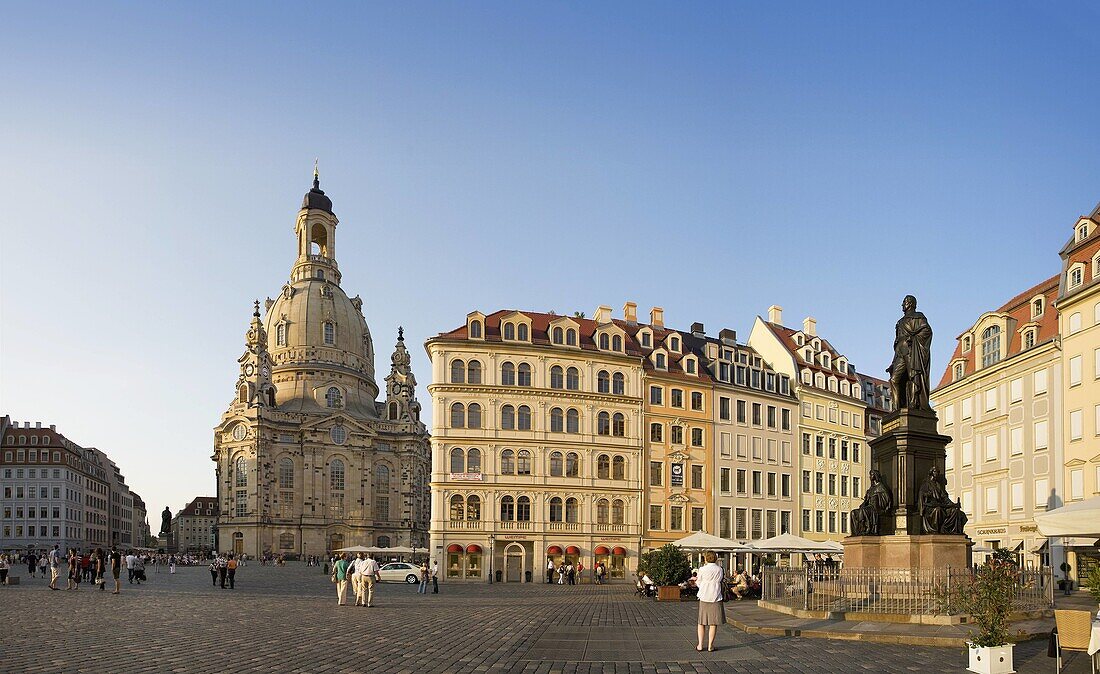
865 519
912 351
938 513
166 521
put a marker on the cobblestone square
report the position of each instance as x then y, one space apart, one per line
286 620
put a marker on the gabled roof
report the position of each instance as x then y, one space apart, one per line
1018 308
199 506
786 336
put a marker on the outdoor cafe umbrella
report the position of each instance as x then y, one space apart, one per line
355 548
786 543
701 540
1077 519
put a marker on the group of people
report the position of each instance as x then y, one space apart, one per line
224 568
363 572
565 572
89 567
429 571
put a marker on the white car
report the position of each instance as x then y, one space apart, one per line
400 571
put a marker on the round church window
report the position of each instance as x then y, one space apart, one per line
240 432
339 434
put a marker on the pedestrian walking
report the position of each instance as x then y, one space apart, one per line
130 567
358 580
4 569
712 611
214 572
424 575
570 574
32 564
116 568
98 564
55 566
549 571
74 570
340 577
231 570
580 572
371 575
43 564
435 577
223 569
172 564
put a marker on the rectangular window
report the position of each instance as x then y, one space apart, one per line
1075 371
676 518
726 444
832 448
785 452
676 398
697 401
697 519
696 476
967 408
742 449
656 516
1016 390
785 485
832 415
1016 440
807 410
677 434
725 523
806 481
241 503
756 407
757 524
785 419
1017 498
757 483
819 521
991 450
855 486
741 481
819 483
949 414
757 450
857 422
832 522
806 444
696 437
819 446
725 481
769 518
740 411
784 521
656 468
843 450
771 416
992 499
843 485
1041 493
968 453
1075 425
806 524
1040 435
741 529
656 395
832 485
1040 381
991 400
1096 359
724 408
1076 484
773 447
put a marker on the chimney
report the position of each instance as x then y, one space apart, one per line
38 424
809 326
697 329
630 313
657 317
775 314
53 427
602 315
728 337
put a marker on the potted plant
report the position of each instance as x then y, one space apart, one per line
667 568
986 596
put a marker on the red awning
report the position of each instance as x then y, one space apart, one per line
454 547
472 548
553 550
572 550
602 550
619 551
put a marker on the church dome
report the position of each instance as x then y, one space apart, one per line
316 199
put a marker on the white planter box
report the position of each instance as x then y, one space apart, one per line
990 660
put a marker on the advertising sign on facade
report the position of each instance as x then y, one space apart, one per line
466 477
677 475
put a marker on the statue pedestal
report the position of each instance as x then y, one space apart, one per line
908 447
902 551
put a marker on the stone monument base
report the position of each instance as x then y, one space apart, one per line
901 551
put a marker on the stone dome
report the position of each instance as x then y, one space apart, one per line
315 198
317 335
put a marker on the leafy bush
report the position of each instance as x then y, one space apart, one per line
1005 556
1093 579
986 596
668 565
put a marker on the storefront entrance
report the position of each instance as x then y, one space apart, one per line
514 564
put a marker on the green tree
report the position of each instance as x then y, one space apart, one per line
986 596
668 565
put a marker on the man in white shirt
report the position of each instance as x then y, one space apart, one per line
358 583
371 575
435 577
130 567
55 566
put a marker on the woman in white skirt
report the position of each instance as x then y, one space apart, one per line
712 611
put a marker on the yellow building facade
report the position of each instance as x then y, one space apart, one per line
536 446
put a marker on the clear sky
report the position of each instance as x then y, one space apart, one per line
710 159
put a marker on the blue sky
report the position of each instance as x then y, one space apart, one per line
710 159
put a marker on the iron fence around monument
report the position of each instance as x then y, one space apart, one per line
888 591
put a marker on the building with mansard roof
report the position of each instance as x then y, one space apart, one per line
308 459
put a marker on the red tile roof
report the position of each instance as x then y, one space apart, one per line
193 508
1018 308
786 336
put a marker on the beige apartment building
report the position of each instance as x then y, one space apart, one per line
1078 305
832 445
536 444
194 527
999 400
755 470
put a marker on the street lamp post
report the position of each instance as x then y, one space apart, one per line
492 541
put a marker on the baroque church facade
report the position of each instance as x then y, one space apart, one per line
308 459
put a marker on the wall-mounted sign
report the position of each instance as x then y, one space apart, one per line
677 475
466 477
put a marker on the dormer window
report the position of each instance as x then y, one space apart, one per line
1037 307
521 332
966 344
1029 338
330 333
816 344
605 341
799 340
570 337
616 343
645 339
959 370
689 365
825 360
558 336
509 331
1082 232
475 329
1076 276
660 361
280 334
674 343
991 345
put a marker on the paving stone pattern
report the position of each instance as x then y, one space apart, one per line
286 620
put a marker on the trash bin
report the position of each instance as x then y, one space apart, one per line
500 575
527 576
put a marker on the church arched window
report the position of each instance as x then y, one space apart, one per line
330 332
333 398
393 411
241 472
381 492
286 474
336 475
280 334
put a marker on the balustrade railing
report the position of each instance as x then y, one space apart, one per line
874 590
469 525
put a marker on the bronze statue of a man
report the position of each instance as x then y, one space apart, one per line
938 513
912 352
166 520
864 520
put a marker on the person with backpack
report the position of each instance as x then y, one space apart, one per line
231 570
